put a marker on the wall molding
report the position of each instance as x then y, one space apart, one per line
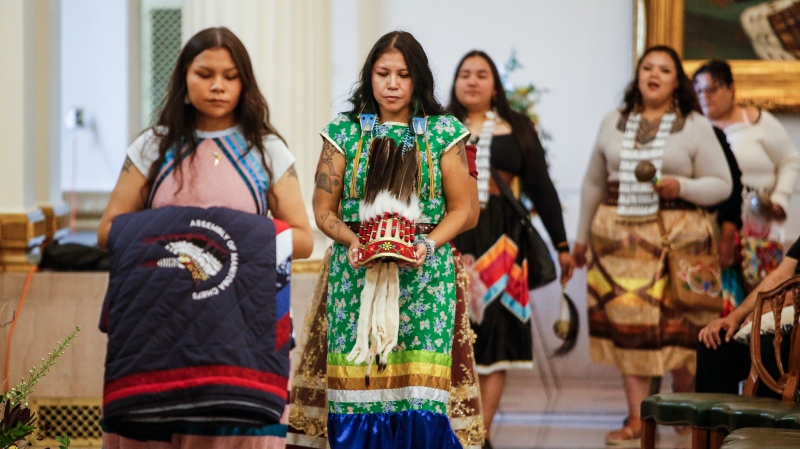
21 234
56 221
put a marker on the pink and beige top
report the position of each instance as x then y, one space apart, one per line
219 172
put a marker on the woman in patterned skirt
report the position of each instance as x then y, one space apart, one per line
495 250
308 422
308 399
633 321
404 404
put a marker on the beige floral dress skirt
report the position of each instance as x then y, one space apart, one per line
633 322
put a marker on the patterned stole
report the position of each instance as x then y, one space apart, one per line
637 200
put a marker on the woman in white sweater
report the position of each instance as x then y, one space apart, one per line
766 155
631 324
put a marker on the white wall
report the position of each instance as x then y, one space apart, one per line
347 58
94 76
580 51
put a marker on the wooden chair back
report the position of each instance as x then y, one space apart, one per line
786 384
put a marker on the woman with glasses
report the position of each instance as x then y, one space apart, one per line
764 152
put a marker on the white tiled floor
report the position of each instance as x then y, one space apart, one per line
576 416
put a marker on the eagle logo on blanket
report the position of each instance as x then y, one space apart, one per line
197 317
200 255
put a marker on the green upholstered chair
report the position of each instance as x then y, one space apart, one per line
760 438
685 409
712 415
789 421
728 417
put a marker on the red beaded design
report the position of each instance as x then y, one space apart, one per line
388 236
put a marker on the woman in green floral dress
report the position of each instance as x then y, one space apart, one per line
404 404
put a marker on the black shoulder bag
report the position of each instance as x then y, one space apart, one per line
541 269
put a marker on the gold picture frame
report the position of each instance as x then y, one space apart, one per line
773 85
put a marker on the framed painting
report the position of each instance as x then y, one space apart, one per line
759 38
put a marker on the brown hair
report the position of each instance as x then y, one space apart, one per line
521 127
684 94
177 120
423 100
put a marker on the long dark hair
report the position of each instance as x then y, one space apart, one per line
177 120
687 99
423 100
718 69
521 126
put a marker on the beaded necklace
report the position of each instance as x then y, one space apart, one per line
370 124
483 156
381 129
637 200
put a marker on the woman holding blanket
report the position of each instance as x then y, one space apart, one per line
214 154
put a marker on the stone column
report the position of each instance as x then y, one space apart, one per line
370 26
289 44
29 169
47 84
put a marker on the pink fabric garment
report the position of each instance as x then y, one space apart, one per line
209 179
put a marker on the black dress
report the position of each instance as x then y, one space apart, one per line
493 253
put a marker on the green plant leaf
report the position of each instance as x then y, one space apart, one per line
17 422
19 394
523 98
9 436
63 441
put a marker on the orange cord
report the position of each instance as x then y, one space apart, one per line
14 324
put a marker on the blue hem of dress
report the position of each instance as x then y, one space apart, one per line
412 429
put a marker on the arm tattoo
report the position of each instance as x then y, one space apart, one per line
327 158
327 178
330 222
326 183
291 172
462 153
126 166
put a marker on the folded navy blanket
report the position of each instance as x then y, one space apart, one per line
197 317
